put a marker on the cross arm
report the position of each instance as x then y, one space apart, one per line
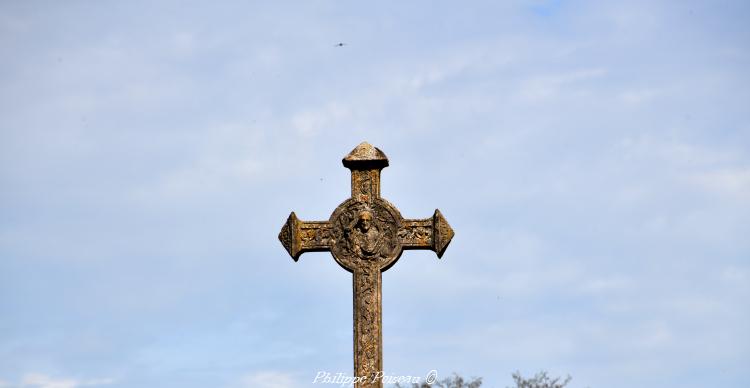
299 236
429 233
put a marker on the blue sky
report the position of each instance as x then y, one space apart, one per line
592 157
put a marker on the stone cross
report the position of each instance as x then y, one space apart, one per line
366 235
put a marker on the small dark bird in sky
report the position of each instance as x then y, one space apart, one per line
339 44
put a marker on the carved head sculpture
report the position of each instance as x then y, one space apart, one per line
365 220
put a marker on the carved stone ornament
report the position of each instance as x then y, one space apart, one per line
365 231
366 235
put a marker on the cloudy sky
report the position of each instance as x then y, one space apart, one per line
592 157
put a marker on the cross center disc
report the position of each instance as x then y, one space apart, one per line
365 233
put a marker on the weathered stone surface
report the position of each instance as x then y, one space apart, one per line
366 235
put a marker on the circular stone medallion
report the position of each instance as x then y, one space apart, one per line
365 231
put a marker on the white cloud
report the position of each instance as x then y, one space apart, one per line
184 43
268 379
733 182
738 276
38 380
639 96
548 86
606 284
311 122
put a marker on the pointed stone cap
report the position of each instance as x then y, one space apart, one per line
289 236
365 156
442 233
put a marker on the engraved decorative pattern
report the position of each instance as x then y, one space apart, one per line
315 235
366 235
365 184
415 234
368 330
285 236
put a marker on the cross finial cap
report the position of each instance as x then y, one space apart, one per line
365 156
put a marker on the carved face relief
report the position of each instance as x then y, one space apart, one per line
365 219
365 232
